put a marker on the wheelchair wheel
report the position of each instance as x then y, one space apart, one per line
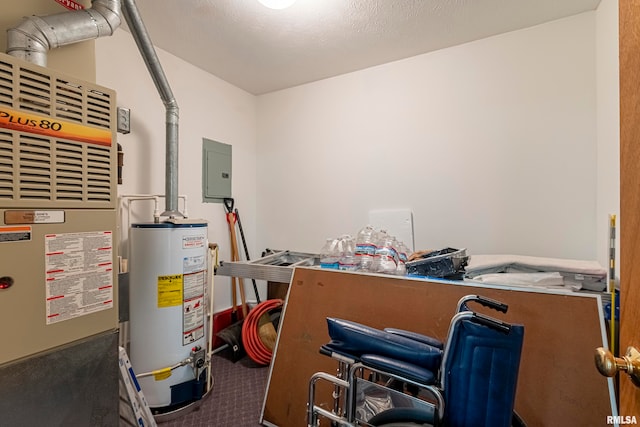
402 417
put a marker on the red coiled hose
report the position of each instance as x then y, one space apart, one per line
251 340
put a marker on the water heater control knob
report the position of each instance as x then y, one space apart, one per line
6 282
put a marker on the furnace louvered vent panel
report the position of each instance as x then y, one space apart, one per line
69 171
69 103
34 173
34 92
6 166
6 83
57 139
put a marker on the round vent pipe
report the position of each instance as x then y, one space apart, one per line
145 46
36 35
32 39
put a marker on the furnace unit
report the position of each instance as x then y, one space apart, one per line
58 261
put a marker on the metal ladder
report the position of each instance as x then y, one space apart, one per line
134 409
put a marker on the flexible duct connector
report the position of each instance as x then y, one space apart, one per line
32 39
145 46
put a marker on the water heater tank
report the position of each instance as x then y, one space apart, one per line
168 294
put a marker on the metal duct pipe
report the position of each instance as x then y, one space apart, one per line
36 35
140 35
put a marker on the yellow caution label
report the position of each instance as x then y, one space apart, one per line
169 290
47 126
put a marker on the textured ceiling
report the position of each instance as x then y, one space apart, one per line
262 50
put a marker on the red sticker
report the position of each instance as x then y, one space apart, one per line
70 4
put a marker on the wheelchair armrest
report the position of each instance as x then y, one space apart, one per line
399 368
433 342
328 350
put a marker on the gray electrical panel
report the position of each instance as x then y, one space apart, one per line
216 171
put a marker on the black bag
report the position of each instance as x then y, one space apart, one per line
447 263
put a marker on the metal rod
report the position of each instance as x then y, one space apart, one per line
246 253
145 46
312 409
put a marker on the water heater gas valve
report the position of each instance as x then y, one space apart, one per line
198 359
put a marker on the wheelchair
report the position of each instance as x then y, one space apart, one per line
394 377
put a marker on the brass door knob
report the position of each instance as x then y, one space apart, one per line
609 365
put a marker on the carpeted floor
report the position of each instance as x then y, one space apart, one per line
236 397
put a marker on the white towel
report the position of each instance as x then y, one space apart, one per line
481 263
542 280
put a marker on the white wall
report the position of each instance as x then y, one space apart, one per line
608 102
504 145
491 144
209 108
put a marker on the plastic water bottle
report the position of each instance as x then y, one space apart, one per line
403 257
329 256
386 260
348 259
378 240
365 247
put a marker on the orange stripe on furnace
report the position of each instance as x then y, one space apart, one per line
47 126
14 229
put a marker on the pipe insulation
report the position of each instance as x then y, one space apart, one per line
145 46
32 39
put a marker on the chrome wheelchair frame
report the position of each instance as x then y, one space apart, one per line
417 398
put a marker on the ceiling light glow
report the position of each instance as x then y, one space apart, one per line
277 4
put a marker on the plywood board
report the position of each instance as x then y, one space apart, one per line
558 380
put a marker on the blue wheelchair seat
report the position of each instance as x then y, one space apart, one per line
356 341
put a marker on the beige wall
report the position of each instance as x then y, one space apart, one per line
77 60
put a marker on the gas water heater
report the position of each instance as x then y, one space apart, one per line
58 261
168 304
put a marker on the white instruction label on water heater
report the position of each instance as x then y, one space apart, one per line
79 274
193 242
193 299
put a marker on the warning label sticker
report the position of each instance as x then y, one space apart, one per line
79 274
193 242
169 290
70 4
15 234
193 264
193 311
193 320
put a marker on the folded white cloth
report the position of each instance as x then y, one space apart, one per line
543 280
480 264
